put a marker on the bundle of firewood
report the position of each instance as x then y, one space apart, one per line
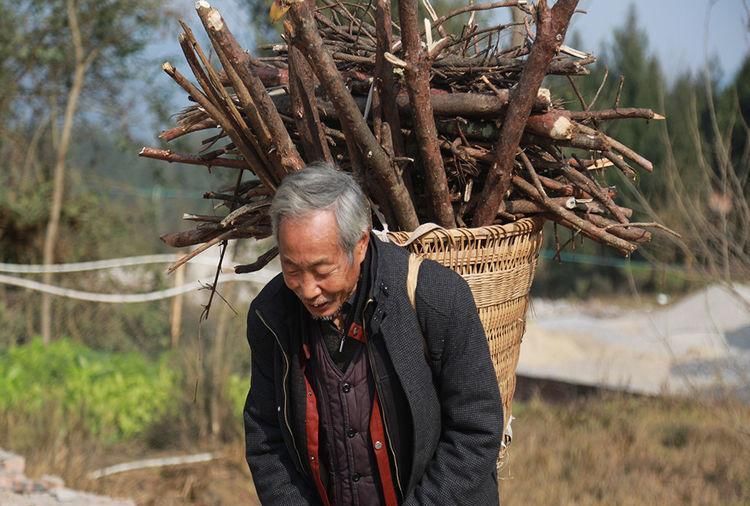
448 128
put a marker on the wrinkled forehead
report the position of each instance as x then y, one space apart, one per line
312 232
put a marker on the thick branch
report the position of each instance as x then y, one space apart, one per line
256 164
179 131
464 105
623 231
224 42
472 105
551 27
553 124
170 156
210 232
635 235
307 38
621 113
565 66
618 161
524 207
305 108
269 76
417 75
587 227
386 84
563 189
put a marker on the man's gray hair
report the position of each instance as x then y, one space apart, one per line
321 186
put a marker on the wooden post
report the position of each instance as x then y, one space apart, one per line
176 313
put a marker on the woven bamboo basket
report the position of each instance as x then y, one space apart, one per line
498 262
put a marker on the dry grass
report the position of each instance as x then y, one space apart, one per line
603 450
223 482
619 450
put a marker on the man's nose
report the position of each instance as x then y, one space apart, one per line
308 288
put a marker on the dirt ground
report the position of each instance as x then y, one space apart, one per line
588 450
222 482
601 449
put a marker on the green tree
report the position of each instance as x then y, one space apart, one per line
633 79
57 54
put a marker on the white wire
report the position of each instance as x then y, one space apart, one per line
99 264
260 277
149 463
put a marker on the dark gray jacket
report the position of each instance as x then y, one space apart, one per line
443 420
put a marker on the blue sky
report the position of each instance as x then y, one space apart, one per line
682 33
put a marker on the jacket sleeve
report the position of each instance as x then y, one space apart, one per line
277 480
463 468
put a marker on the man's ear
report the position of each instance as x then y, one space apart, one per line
360 249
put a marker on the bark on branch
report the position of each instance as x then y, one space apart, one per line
587 227
257 165
551 27
170 156
417 75
305 36
250 89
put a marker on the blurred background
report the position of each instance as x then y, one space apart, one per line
635 373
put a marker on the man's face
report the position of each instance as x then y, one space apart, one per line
315 267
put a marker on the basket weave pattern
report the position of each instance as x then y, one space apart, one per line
498 262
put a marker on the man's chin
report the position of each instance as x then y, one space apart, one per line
327 311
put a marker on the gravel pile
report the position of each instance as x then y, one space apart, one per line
16 489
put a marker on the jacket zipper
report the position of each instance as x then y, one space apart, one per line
286 375
383 410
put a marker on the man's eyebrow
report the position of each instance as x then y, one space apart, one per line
317 263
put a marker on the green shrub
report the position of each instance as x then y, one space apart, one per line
237 388
115 395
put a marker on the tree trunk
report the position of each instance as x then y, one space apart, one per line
79 76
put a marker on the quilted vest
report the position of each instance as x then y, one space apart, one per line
345 401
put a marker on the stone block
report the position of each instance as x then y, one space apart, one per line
6 481
11 463
65 495
50 482
23 485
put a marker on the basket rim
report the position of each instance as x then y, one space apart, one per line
521 227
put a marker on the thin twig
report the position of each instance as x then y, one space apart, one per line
619 90
578 93
259 263
599 90
650 224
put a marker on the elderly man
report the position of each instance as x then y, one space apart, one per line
356 397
